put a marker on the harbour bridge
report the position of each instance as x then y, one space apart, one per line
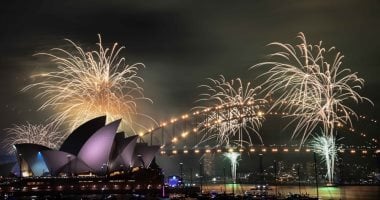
185 134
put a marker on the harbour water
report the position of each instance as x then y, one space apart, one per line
333 193
324 193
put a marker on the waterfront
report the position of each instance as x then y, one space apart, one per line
333 193
325 193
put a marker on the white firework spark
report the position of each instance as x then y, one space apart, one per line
46 135
312 86
233 158
324 145
86 85
233 112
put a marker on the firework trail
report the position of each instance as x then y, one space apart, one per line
86 85
233 158
324 145
46 135
232 112
312 86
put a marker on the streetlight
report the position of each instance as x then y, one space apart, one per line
181 173
191 177
316 172
261 168
233 182
275 175
299 178
224 180
201 176
19 161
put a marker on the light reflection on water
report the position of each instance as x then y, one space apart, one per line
333 193
330 193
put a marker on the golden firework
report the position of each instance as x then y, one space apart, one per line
86 85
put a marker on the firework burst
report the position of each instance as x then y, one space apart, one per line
325 146
89 84
46 135
233 157
232 112
312 86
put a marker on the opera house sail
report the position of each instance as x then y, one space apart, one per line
94 148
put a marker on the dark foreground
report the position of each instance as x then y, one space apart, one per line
333 193
214 192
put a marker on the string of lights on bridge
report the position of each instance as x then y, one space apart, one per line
363 149
262 150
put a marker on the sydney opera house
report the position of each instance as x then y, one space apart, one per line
94 150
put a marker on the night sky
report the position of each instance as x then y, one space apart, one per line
180 42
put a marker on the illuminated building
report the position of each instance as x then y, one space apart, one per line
93 148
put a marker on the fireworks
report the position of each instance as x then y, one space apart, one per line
325 146
46 135
233 112
233 158
313 87
89 84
